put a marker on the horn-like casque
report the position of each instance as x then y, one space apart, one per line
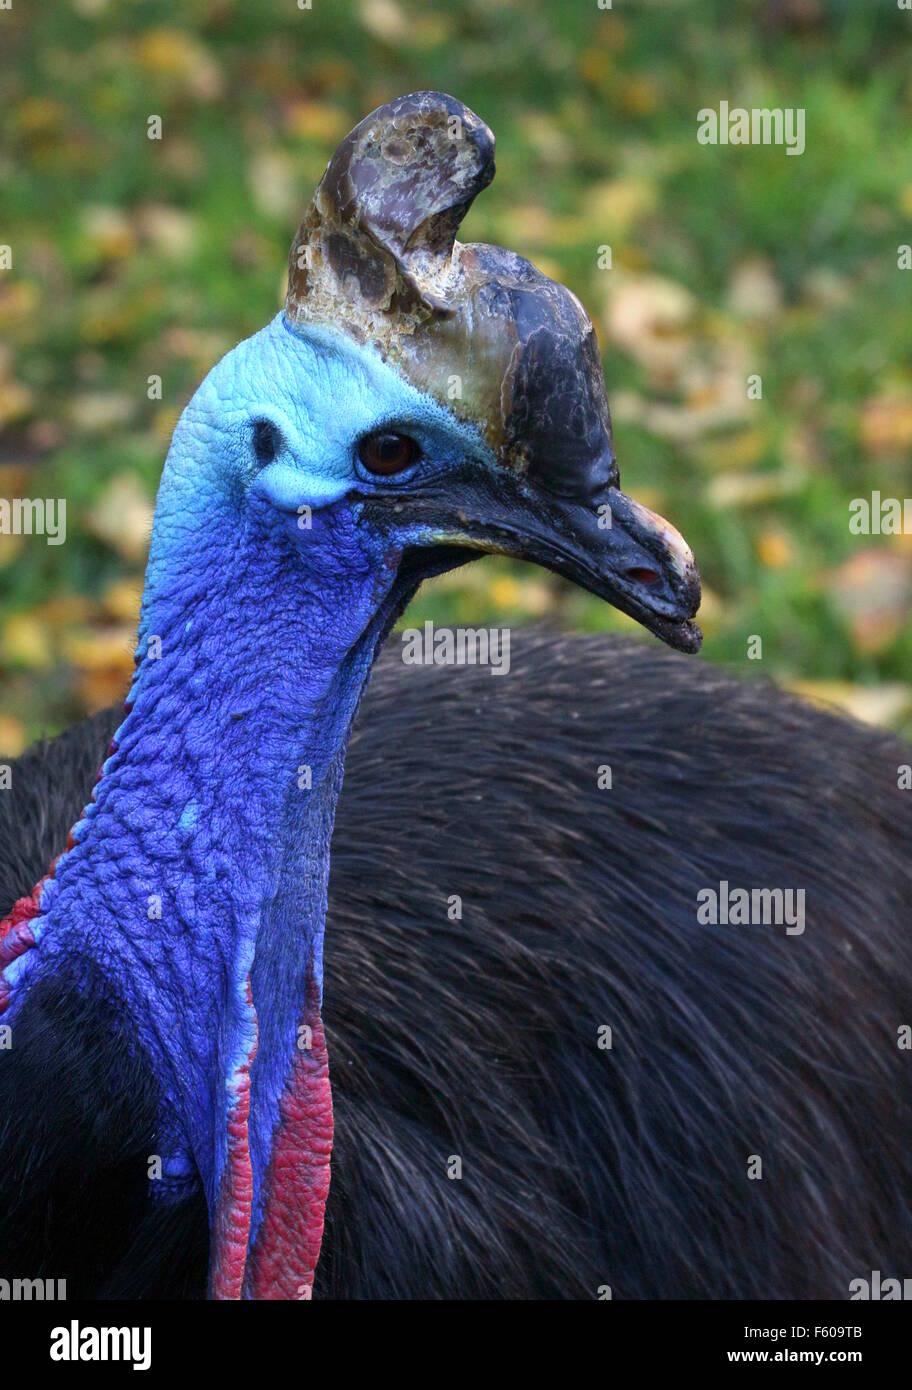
475 326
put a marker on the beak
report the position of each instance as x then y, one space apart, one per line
616 548
621 552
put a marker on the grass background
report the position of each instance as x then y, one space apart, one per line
135 258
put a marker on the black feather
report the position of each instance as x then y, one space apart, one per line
477 1038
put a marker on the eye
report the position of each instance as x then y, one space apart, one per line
267 444
387 453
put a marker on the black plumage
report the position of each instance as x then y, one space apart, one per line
478 1037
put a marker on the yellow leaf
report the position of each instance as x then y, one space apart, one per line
26 643
101 649
639 96
14 480
505 592
122 517
879 704
595 66
886 424
384 19
12 735
712 609
39 116
313 120
530 224
273 180
97 412
735 451
121 600
754 292
108 232
171 231
872 591
18 300
98 689
165 421
10 546
751 489
774 550
180 56
616 205
15 401
63 611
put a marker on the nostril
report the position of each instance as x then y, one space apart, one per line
641 574
267 442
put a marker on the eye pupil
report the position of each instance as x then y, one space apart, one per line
387 453
265 442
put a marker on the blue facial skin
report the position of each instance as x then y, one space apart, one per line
203 858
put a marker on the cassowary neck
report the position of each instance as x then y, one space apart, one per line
195 891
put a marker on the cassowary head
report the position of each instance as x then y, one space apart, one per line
421 401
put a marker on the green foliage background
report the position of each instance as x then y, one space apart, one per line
134 258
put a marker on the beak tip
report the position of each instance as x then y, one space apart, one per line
688 633
691 637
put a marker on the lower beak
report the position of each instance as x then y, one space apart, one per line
617 549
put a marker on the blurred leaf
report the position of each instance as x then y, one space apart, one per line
752 489
873 593
653 319
774 549
754 292
614 207
384 19
121 599
13 737
313 120
26 643
18 299
107 234
122 517
15 402
100 411
170 231
178 55
104 649
273 183
883 704
886 425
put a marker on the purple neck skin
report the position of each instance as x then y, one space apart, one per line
195 893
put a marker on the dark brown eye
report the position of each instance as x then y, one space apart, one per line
387 453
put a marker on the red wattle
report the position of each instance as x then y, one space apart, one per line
16 934
284 1258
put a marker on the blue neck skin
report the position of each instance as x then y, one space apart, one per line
203 859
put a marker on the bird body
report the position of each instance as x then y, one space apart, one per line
583 1166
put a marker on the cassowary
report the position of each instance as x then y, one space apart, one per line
574 1081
